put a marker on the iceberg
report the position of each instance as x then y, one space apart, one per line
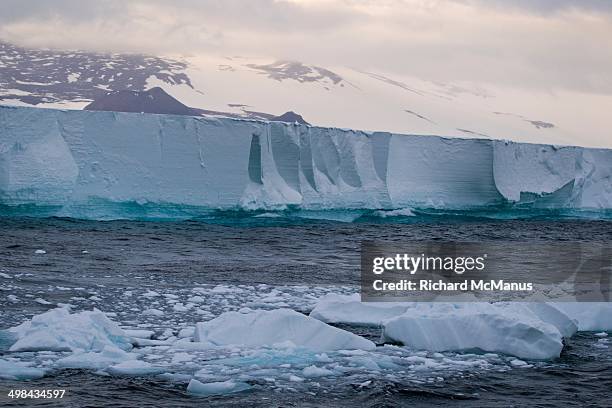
476 327
277 328
58 330
527 330
75 162
349 309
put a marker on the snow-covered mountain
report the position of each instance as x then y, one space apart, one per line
343 97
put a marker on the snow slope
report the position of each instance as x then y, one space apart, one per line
337 96
73 158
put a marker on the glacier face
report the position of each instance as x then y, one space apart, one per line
64 158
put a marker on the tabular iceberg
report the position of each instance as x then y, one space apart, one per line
71 158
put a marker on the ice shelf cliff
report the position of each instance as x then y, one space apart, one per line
57 157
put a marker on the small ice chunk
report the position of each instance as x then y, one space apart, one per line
40 251
153 312
314 371
186 332
134 367
216 388
518 363
179 307
181 358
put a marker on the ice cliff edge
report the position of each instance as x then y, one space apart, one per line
56 157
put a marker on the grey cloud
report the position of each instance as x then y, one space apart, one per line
491 41
545 7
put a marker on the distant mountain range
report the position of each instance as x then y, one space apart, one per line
260 88
156 100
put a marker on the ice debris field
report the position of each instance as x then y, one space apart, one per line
231 338
75 161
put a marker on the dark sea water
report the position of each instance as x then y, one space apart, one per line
93 264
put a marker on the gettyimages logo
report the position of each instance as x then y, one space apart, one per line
412 264
499 271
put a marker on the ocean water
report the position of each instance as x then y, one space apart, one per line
271 260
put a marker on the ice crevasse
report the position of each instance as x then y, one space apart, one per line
63 158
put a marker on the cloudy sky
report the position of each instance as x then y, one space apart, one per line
543 44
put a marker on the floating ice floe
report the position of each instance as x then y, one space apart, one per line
58 330
267 328
475 327
10 370
96 360
436 326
